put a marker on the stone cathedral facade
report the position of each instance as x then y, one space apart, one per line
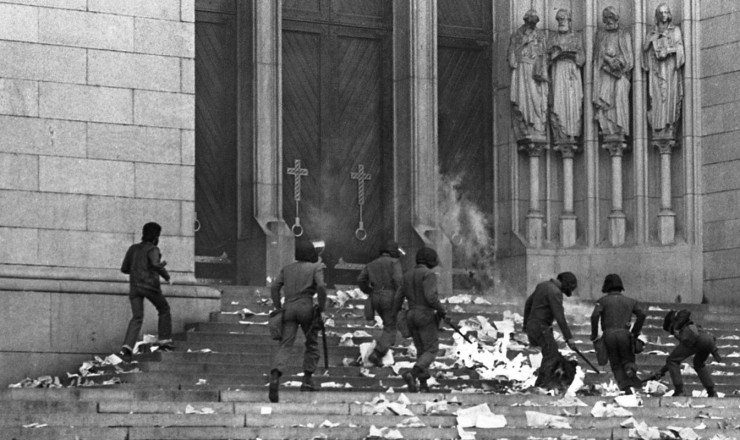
239 125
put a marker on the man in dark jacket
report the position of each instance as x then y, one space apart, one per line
425 312
142 264
299 282
693 340
615 312
381 279
544 306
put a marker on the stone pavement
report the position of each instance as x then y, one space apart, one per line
214 387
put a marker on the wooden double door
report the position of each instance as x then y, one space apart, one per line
337 131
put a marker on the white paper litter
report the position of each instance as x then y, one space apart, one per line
190 409
602 409
542 420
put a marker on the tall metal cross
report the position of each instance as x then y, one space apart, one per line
297 172
361 176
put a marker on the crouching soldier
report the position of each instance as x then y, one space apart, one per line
615 311
299 282
381 279
693 340
423 316
544 306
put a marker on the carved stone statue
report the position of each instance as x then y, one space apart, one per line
566 54
529 81
613 63
664 59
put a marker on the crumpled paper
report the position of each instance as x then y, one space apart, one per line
366 348
384 433
602 410
479 416
537 419
644 432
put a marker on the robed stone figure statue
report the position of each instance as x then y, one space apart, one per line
663 53
613 63
566 55
529 80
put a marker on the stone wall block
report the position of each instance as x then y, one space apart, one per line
127 215
187 10
42 62
164 9
42 136
19 97
187 156
187 216
85 103
18 310
133 143
167 182
86 176
19 22
19 171
164 37
79 5
82 249
19 246
83 29
136 71
187 75
43 210
159 109
178 252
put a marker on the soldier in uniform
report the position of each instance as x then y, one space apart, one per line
544 306
299 282
693 340
425 311
381 279
615 312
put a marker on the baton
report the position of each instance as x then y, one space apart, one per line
323 340
578 352
319 324
457 329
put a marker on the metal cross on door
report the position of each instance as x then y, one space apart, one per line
297 172
361 176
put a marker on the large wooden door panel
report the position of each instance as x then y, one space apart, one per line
215 144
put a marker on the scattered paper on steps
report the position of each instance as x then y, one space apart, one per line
628 400
644 432
366 348
190 409
602 410
479 416
383 433
537 419
465 435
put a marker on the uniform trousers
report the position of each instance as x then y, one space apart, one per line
424 332
383 304
298 313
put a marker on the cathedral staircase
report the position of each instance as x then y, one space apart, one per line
214 386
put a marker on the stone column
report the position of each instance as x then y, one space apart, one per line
265 241
617 219
666 216
416 171
535 217
567 217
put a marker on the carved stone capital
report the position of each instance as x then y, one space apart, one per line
664 145
533 149
615 148
567 149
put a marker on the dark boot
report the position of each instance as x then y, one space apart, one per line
375 358
307 384
274 385
678 391
423 386
125 354
711 392
410 378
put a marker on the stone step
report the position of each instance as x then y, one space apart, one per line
121 420
64 433
93 394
